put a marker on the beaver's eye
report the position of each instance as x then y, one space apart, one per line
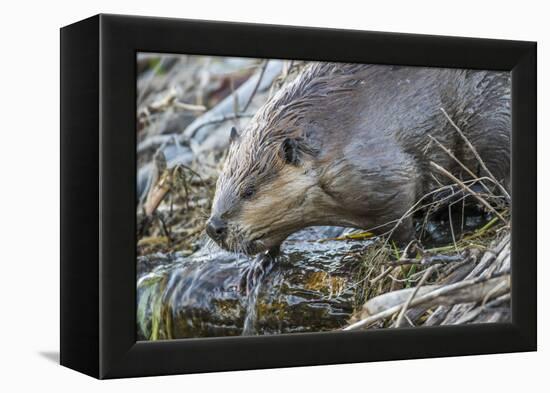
248 192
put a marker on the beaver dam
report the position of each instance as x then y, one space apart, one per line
455 270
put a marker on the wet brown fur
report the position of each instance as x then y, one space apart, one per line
361 138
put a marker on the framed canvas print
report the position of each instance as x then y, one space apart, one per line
295 196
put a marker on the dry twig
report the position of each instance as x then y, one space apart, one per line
406 305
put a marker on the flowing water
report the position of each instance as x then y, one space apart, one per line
305 289
251 283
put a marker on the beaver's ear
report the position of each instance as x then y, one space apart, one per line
234 135
290 151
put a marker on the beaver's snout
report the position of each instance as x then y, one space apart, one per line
216 228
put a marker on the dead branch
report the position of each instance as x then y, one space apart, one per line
427 260
406 305
242 95
258 82
461 292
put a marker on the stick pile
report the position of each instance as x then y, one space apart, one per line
474 289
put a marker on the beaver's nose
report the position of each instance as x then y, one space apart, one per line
216 228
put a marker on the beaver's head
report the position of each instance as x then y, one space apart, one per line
263 190
273 182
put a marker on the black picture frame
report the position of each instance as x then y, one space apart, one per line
98 185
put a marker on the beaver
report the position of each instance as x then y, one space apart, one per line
349 145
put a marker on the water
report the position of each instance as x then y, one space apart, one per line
203 295
249 327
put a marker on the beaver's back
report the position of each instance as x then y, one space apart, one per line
390 112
